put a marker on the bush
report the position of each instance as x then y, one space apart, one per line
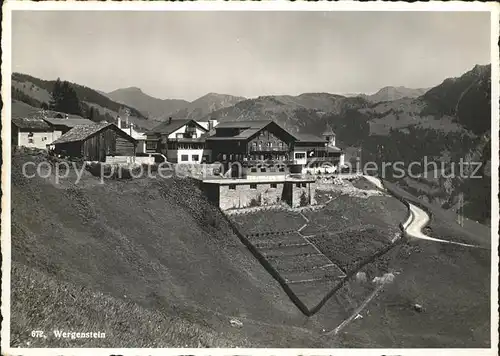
255 202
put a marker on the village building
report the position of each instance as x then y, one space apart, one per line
62 124
180 140
31 132
266 191
140 137
263 148
102 142
208 124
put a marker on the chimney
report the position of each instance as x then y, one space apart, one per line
169 120
119 120
126 122
131 125
210 124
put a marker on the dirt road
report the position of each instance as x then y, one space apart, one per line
417 221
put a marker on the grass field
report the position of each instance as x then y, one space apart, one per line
128 253
157 245
344 212
451 282
267 221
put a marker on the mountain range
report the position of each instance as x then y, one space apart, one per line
390 93
444 123
161 109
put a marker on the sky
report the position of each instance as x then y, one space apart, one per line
184 55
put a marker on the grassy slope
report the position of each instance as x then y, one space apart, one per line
156 244
128 252
451 282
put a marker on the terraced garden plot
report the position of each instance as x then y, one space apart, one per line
299 263
329 272
304 250
382 212
266 221
276 240
349 249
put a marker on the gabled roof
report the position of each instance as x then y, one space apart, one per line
169 127
304 137
82 132
69 122
249 128
31 123
248 124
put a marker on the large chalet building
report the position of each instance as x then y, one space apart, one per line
264 148
245 148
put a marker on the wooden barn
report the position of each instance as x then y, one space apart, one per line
96 142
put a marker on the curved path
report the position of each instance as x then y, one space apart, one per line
417 221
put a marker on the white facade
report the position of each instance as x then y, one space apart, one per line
36 139
299 156
182 130
188 155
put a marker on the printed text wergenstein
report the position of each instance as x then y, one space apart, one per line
79 335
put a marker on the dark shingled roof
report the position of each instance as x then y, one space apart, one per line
175 124
249 124
303 137
81 132
69 122
31 123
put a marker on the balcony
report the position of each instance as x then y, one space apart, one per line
263 149
268 162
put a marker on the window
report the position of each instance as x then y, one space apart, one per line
224 157
30 137
304 185
300 155
184 158
274 185
282 169
263 169
253 169
179 135
232 186
297 185
151 145
253 186
196 158
44 138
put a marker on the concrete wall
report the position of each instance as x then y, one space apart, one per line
298 194
243 196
